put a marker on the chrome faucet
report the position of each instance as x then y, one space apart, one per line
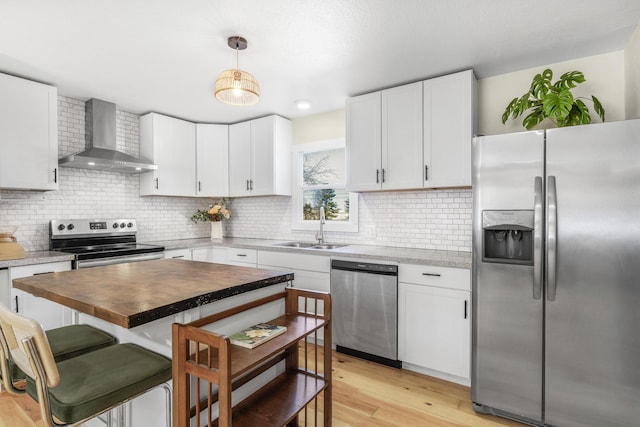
320 234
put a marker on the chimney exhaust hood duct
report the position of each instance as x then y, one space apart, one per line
100 144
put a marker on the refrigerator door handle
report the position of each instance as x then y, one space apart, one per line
552 239
538 265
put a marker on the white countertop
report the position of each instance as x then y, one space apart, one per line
404 255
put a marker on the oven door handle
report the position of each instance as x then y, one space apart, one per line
119 260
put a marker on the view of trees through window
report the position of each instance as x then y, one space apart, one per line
324 179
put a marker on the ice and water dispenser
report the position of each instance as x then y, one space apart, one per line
508 237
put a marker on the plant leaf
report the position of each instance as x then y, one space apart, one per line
597 106
579 114
536 116
508 110
557 104
570 80
541 84
521 105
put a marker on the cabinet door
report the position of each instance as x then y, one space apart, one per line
48 313
171 144
28 135
239 159
262 152
212 160
434 328
449 125
177 254
364 142
402 137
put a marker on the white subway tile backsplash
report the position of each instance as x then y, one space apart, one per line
437 219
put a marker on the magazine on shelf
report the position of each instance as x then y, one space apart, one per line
255 335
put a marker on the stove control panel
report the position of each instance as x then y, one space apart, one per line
78 227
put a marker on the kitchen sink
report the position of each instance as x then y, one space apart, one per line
309 245
327 246
296 244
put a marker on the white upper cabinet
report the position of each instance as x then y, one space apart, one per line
28 134
384 139
449 125
212 160
364 142
171 144
412 136
239 158
402 137
260 157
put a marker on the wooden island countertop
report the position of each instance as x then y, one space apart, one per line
136 293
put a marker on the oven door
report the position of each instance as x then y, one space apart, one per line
117 260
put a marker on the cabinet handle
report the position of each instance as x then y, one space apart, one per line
44 272
377 176
177 256
199 186
157 187
251 184
17 306
432 274
426 172
247 185
465 308
55 175
241 254
383 180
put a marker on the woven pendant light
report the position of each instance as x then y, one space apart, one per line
236 86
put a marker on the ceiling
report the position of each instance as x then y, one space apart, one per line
164 55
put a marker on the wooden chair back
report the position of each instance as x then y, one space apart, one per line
17 330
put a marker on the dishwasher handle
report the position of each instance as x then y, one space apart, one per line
365 267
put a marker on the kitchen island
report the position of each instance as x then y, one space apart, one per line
138 302
136 293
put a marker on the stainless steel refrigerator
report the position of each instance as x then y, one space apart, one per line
556 275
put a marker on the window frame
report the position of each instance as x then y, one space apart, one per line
297 221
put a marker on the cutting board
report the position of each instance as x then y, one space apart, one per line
10 249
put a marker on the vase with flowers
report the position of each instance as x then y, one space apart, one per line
215 214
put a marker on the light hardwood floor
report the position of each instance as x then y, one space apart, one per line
364 394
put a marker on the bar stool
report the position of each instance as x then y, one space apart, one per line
66 342
78 389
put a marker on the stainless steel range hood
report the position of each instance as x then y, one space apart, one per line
100 144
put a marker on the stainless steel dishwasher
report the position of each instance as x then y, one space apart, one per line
364 299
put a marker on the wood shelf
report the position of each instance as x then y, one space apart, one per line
245 359
218 363
278 403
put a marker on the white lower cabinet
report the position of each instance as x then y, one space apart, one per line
178 254
310 271
242 257
434 324
48 313
224 255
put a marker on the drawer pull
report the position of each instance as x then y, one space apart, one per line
431 274
44 272
177 256
241 254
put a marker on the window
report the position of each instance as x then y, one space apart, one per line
321 180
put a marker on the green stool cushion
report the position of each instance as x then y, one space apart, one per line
69 341
95 381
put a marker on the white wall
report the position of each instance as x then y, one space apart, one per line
319 127
632 76
604 76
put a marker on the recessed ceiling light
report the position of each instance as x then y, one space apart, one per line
91 163
303 104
